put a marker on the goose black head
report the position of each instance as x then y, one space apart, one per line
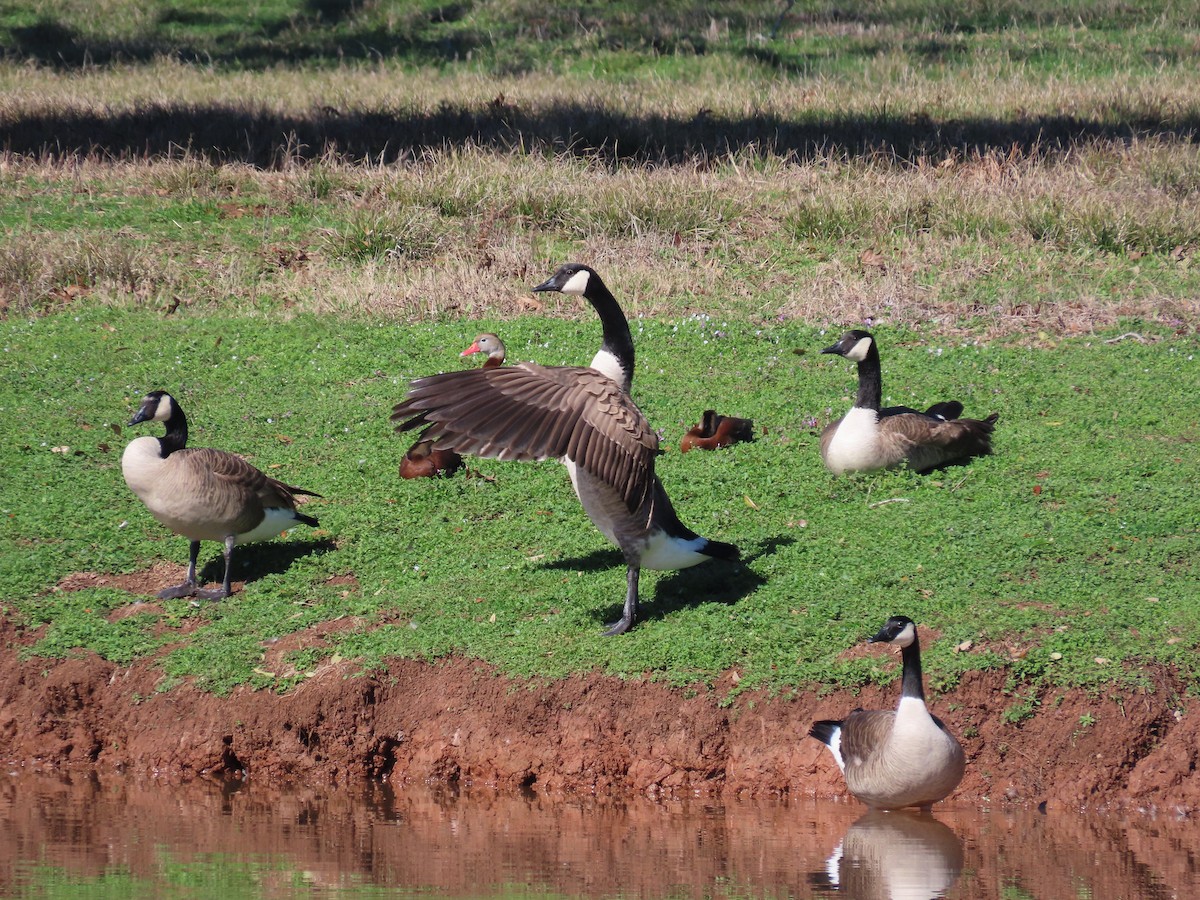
898 630
573 278
854 345
157 406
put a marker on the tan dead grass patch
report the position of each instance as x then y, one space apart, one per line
1006 240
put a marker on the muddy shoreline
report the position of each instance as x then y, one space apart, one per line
461 721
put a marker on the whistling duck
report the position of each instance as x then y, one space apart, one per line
423 459
491 345
869 438
204 494
715 431
582 416
892 759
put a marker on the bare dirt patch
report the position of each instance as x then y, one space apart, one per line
460 721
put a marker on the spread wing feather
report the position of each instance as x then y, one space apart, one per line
532 412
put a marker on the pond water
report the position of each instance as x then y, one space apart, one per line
112 837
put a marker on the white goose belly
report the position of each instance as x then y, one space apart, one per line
854 447
651 546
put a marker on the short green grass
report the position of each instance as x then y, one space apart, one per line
1067 558
281 212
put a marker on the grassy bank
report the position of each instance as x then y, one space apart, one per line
280 213
1068 556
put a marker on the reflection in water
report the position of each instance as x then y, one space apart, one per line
140 838
901 855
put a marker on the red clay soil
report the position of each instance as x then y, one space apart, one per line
461 721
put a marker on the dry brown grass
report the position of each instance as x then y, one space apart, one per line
902 198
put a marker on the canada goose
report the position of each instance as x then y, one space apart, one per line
715 431
581 416
901 758
204 494
491 345
869 438
424 459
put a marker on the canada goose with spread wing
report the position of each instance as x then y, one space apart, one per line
582 416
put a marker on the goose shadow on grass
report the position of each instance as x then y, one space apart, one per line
716 581
252 562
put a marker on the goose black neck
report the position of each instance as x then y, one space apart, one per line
177 432
912 684
618 340
870 381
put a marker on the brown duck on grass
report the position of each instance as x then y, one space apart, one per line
204 494
582 416
869 437
715 431
896 758
423 459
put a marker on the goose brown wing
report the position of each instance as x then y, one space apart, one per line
232 475
532 412
864 732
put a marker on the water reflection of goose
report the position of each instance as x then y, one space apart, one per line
897 855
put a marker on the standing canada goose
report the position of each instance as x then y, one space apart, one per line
581 416
892 759
424 459
715 431
869 438
204 494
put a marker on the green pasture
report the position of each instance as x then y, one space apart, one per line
1067 557
283 211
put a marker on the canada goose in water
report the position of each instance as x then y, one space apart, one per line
869 438
893 759
204 494
715 431
581 416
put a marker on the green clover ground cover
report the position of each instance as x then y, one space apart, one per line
1067 557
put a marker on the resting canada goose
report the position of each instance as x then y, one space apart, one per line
901 758
581 416
715 431
869 438
204 494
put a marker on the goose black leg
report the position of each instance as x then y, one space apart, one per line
188 588
629 614
226 587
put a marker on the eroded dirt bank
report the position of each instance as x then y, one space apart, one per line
461 720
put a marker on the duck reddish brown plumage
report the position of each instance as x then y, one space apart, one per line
715 431
426 460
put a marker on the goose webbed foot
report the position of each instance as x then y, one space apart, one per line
629 614
187 589
620 626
